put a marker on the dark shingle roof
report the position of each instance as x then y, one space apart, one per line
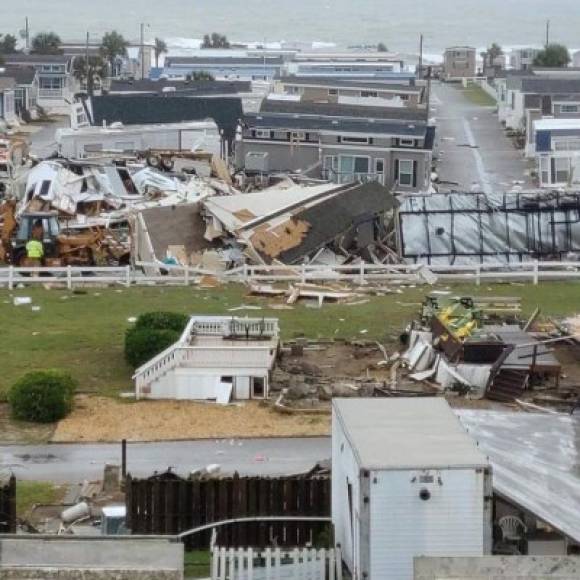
29 59
337 215
7 83
223 60
23 75
191 87
338 110
343 125
349 83
544 85
145 109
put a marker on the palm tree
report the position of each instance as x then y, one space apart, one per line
8 44
46 43
113 45
88 73
160 48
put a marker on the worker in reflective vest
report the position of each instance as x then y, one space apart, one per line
34 250
35 247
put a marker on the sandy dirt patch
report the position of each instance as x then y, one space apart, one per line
105 419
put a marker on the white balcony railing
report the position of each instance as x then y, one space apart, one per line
351 176
50 93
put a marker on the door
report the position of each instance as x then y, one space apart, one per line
242 388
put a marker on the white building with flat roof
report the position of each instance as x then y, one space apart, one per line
407 481
216 358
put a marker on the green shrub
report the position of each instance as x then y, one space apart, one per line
163 321
142 344
42 396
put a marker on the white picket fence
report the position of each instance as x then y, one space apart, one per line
71 277
275 564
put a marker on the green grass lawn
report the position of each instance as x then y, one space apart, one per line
197 564
478 96
84 332
29 493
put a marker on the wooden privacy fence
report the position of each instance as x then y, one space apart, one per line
171 505
8 506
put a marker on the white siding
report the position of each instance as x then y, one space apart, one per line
403 525
345 470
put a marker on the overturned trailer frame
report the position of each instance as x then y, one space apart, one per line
460 228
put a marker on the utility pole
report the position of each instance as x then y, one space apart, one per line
420 75
547 32
27 35
87 71
428 91
142 50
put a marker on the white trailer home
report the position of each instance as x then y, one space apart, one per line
216 358
407 481
91 141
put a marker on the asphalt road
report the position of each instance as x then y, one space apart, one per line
77 462
474 152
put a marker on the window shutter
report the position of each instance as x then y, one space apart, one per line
396 170
414 174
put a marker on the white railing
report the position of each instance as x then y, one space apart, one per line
233 326
50 93
165 361
275 564
533 272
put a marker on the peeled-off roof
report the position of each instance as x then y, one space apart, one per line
406 433
145 109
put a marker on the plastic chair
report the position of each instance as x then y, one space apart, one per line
512 528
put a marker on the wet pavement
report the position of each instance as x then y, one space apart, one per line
76 462
474 152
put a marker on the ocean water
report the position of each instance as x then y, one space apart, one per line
343 23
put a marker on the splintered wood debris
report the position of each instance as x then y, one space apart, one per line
294 292
274 241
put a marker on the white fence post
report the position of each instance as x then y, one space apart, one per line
303 273
361 273
128 276
478 275
11 278
536 273
245 272
186 276
69 277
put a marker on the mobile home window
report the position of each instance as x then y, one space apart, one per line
561 169
545 170
332 92
406 172
407 142
369 94
357 140
262 133
569 108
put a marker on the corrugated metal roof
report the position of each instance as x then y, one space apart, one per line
406 433
534 459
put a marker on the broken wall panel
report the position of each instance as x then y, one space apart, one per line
461 228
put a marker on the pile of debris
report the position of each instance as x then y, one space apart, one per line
322 224
478 347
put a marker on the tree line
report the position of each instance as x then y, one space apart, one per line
553 55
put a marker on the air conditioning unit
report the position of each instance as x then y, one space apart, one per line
257 162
